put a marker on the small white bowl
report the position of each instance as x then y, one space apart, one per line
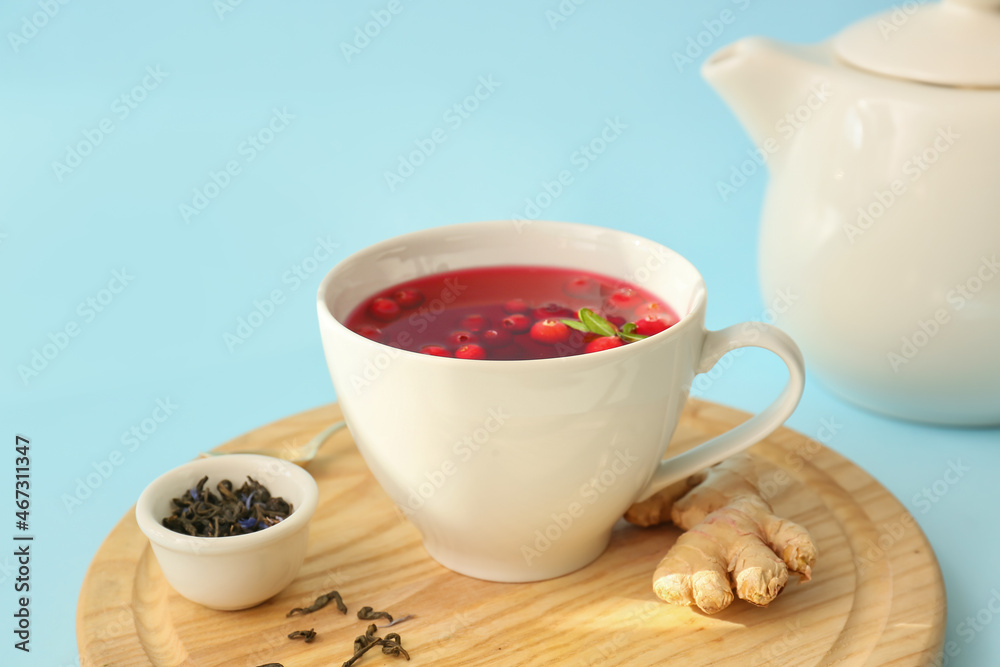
237 571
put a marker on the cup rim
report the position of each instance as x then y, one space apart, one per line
165 485
683 324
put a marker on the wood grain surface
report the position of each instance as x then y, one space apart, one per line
876 597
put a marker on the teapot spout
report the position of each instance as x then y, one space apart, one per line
762 81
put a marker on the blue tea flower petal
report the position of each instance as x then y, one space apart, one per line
194 492
247 524
249 498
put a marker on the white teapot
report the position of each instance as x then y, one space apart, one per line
882 215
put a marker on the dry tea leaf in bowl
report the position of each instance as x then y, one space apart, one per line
251 508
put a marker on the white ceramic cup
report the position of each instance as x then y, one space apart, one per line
518 470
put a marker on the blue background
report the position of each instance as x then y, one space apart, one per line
63 232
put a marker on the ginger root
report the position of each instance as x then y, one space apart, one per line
733 539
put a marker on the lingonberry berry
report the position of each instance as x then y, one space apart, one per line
495 337
651 308
650 325
408 298
549 332
456 338
470 352
624 298
516 323
475 323
383 309
516 306
374 333
603 343
581 287
553 311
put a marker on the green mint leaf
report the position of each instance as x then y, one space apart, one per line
628 328
596 323
575 324
630 337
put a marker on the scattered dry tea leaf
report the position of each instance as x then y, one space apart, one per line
368 614
321 602
307 635
391 645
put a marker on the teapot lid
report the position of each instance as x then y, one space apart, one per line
951 43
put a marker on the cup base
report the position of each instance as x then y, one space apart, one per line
544 565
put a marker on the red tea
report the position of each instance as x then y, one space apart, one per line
511 312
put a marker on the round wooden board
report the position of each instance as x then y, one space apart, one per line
876 597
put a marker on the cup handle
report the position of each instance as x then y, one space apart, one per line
710 452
